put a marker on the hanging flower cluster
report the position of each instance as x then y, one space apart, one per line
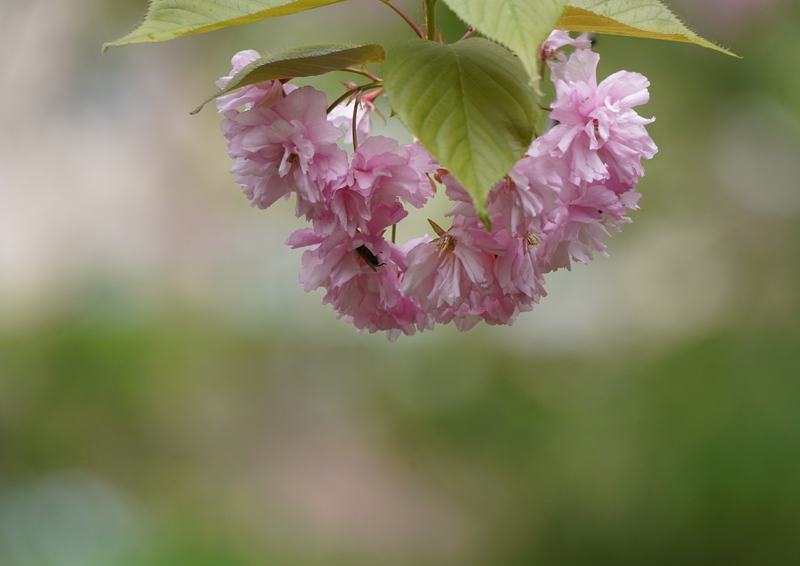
557 205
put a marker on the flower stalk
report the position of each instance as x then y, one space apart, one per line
405 17
430 16
352 91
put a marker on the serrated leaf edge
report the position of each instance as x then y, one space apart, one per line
277 56
691 37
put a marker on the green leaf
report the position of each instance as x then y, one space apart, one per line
520 25
168 19
470 104
634 18
307 61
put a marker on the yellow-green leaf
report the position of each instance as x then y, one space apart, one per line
470 104
307 61
168 19
634 18
520 25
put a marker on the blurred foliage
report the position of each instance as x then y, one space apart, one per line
688 455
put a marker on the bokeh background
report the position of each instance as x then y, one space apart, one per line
170 396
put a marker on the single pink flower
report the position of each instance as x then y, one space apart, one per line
452 273
361 275
576 229
597 131
382 176
290 147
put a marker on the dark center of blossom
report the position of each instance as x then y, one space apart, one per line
596 127
293 159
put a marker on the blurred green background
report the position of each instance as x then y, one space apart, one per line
170 396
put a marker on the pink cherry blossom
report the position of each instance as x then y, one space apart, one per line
550 50
361 275
576 229
526 195
468 275
449 272
290 147
382 174
264 94
517 270
598 132
518 283
520 201
452 278
560 38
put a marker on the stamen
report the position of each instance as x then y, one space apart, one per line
532 240
445 245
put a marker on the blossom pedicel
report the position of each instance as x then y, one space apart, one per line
555 206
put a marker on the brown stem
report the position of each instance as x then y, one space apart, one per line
469 33
351 92
403 15
363 73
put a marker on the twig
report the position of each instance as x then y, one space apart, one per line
363 73
469 33
353 91
403 15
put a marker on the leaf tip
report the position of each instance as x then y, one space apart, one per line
486 221
728 52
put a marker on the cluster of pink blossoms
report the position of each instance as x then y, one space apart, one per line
555 206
